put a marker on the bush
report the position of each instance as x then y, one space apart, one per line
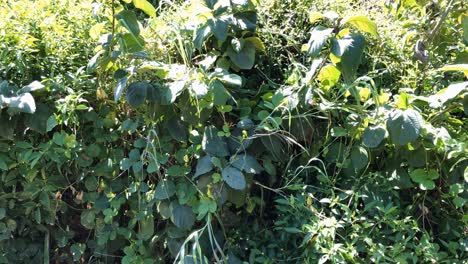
233 131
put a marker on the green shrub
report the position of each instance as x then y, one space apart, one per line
233 131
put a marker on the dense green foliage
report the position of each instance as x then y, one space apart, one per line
233 131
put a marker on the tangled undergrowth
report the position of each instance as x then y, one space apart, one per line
233 131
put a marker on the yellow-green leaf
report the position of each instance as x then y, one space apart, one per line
329 76
363 24
315 16
456 67
146 7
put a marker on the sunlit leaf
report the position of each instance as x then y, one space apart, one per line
362 23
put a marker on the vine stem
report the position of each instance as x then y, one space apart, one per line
113 18
439 23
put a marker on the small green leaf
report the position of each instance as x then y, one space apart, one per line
77 250
146 230
234 178
51 123
87 219
177 171
2 213
424 178
204 165
119 88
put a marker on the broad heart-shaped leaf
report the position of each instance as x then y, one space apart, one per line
8 125
164 190
204 165
234 178
201 34
359 157
219 27
247 163
177 129
146 7
220 94
183 216
171 91
131 43
318 38
136 93
231 80
245 59
38 120
245 20
213 144
456 67
350 48
404 126
129 20
34 86
87 218
445 95
198 88
120 88
24 103
424 178
373 136
362 23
